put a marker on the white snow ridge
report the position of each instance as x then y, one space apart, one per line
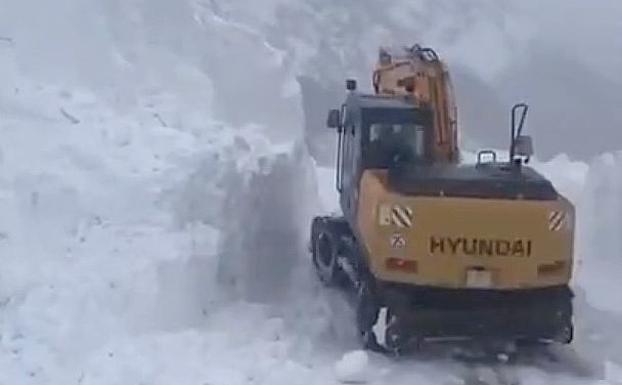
156 189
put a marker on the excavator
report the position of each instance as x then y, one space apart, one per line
432 248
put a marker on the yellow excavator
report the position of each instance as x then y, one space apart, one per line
432 248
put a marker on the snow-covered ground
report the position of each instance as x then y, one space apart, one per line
156 193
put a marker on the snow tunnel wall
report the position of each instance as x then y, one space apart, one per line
599 246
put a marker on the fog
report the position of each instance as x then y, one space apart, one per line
561 57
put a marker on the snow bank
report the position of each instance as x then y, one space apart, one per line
613 372
127 208
110 234
568 176
600 215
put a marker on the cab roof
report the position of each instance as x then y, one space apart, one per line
379 101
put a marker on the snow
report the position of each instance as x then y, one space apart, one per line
156 195
352 367
601 224
613 372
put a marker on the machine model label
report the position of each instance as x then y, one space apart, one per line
398 241
481 247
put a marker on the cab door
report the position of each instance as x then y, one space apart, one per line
350 164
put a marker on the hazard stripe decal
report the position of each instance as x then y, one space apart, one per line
402 216
395 215
556 220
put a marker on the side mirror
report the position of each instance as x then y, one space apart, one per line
334 119
523 146
516 128
351 85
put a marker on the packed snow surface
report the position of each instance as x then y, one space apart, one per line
351 368
156 193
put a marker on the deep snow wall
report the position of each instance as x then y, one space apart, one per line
599 245
124 50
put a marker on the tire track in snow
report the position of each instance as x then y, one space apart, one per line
554 364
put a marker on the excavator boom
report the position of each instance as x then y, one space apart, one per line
418 74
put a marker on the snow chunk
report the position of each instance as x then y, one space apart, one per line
353 367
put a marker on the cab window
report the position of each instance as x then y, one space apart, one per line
395 142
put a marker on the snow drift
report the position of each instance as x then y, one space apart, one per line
600 243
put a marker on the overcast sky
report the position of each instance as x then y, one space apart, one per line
589 30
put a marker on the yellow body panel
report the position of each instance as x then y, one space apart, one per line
465 242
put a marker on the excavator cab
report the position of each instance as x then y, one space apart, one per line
377 132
